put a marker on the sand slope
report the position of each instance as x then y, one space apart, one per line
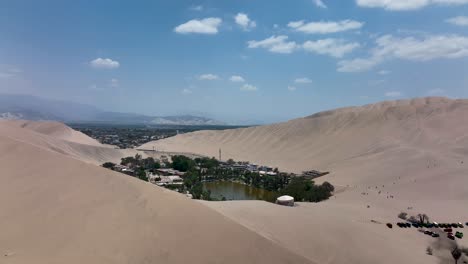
56 209
415 151
57 137
56 130
329 138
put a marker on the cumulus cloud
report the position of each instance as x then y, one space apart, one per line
303 80
320 3
237 78
325 27
244 21
106 63
334 47
403 5
425 48
186 91
276 44
248 87
208 77
291 88
203 26
458 21
393 94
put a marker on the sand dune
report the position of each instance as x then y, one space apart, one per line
415 151
57 137
56 130
57 209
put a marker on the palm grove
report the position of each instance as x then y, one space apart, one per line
199 170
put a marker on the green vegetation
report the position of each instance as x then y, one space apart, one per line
182 163
199 170
138 162
305 190
109 165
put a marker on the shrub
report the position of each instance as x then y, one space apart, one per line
413 219
303 189
403 215
109 165
429 251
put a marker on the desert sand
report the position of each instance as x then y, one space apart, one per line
59 207
56 208
386 158
59 138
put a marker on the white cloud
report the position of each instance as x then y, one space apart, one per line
248 87
276 44
106 63
375 82
244 21
427 48
204 26
291 88
403 5
197 8
320 3
393 94
358 65
9 71
208 77
237 78
325 27
458 21
383 72
303 80
186 91
114 83
334 47
436 91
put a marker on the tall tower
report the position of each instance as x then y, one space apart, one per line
220 154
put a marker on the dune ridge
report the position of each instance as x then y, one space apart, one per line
57 137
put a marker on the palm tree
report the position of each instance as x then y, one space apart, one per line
456 254
423 218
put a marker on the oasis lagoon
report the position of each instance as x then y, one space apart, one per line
237 191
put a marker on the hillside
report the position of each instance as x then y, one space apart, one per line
332 139
56 209
385 158
59 138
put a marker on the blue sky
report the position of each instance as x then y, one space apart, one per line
237 61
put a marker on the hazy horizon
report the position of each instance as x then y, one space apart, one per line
241 62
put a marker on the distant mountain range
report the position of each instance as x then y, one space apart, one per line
36 108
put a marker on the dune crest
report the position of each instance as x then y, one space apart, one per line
59 138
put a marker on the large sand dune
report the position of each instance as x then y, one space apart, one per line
57 209
408 155
57 137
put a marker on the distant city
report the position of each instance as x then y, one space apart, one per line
132 136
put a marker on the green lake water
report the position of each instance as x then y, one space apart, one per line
237 191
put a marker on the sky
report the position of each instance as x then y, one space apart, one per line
237 61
